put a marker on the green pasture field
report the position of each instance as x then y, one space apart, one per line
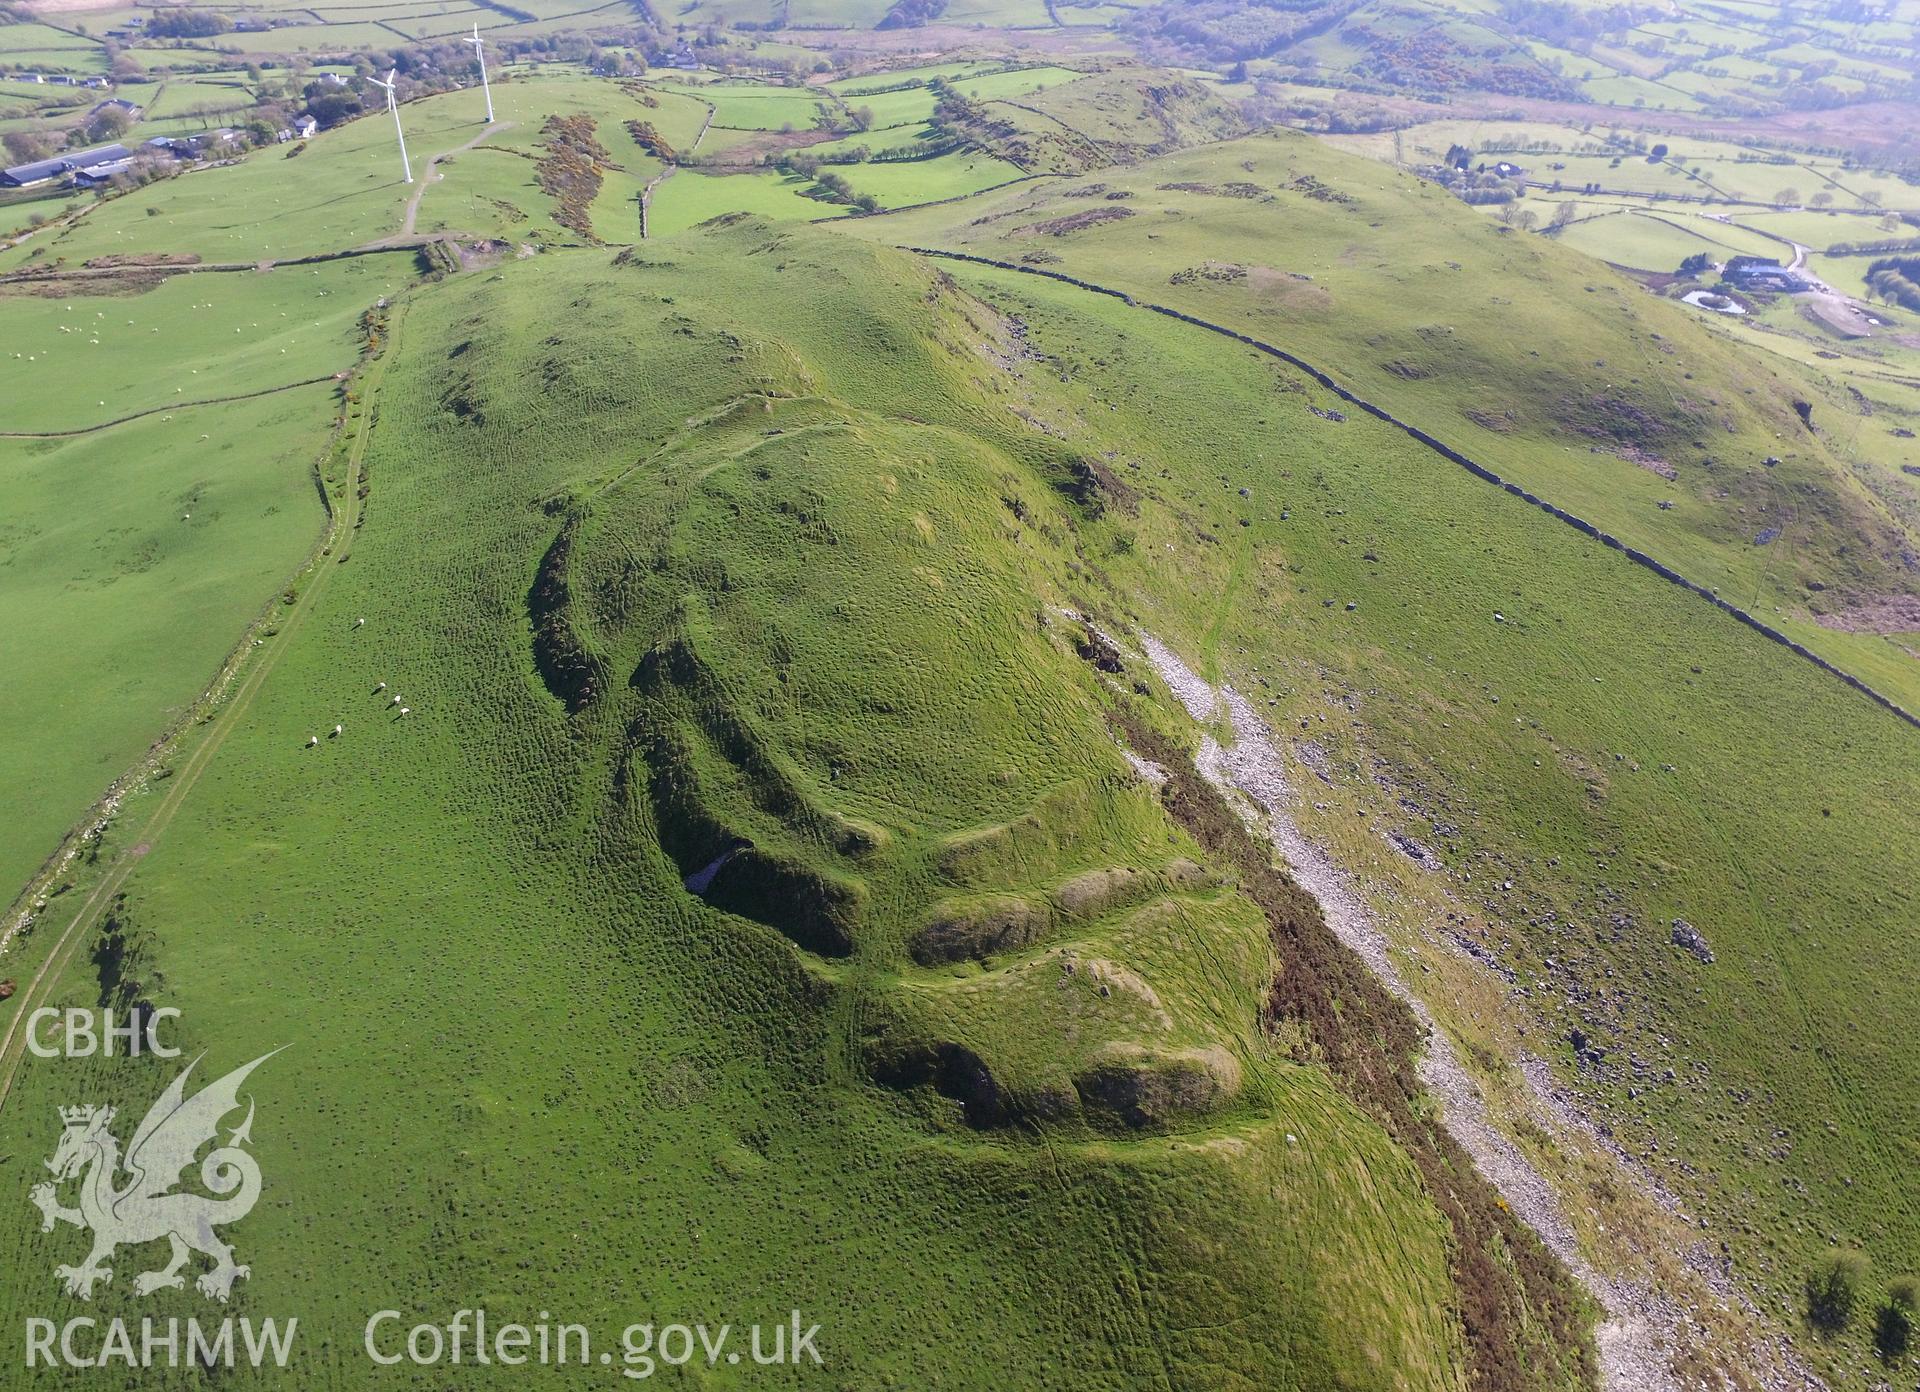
1007 14
1650 242
37 92
1744 69
527 101
835 14
664 1105
441 24
1694 167
23 45
911 107
74 360
310 38
489 192
759 13
142 548
903 183
1598 231
83 61
1703 31
1092 16
756 108
344 185
477 181
1817 230
869 84
877 140
1015 82
181 53
421 9
1847 275
343 189
1578 67
690 197
134 557
181 97
1482 355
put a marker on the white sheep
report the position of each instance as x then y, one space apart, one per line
336 731
380 688
312 740
394 702
358 622
404 711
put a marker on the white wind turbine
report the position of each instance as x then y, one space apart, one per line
481 56
393 105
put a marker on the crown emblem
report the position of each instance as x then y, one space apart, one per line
74 1116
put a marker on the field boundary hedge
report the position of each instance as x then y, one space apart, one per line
1446 451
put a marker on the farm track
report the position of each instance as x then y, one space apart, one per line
427 179
1478 470
60 956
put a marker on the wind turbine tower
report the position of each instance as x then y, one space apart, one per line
481 56
393 105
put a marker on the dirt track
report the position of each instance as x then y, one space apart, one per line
428 178
1644 1330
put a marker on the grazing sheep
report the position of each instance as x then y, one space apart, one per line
394 702
312 740
336 731
403 710
358 622
380 688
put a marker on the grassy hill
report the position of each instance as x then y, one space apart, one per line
1554 371
1116 117
966 999
786 847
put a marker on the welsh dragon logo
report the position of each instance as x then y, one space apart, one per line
149 1204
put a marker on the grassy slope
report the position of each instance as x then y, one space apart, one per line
135 553
1535 751
1419 304
659 1107
77 360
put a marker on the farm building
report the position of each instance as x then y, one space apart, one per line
47 170
304 126
100 175
131 110
1764 273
